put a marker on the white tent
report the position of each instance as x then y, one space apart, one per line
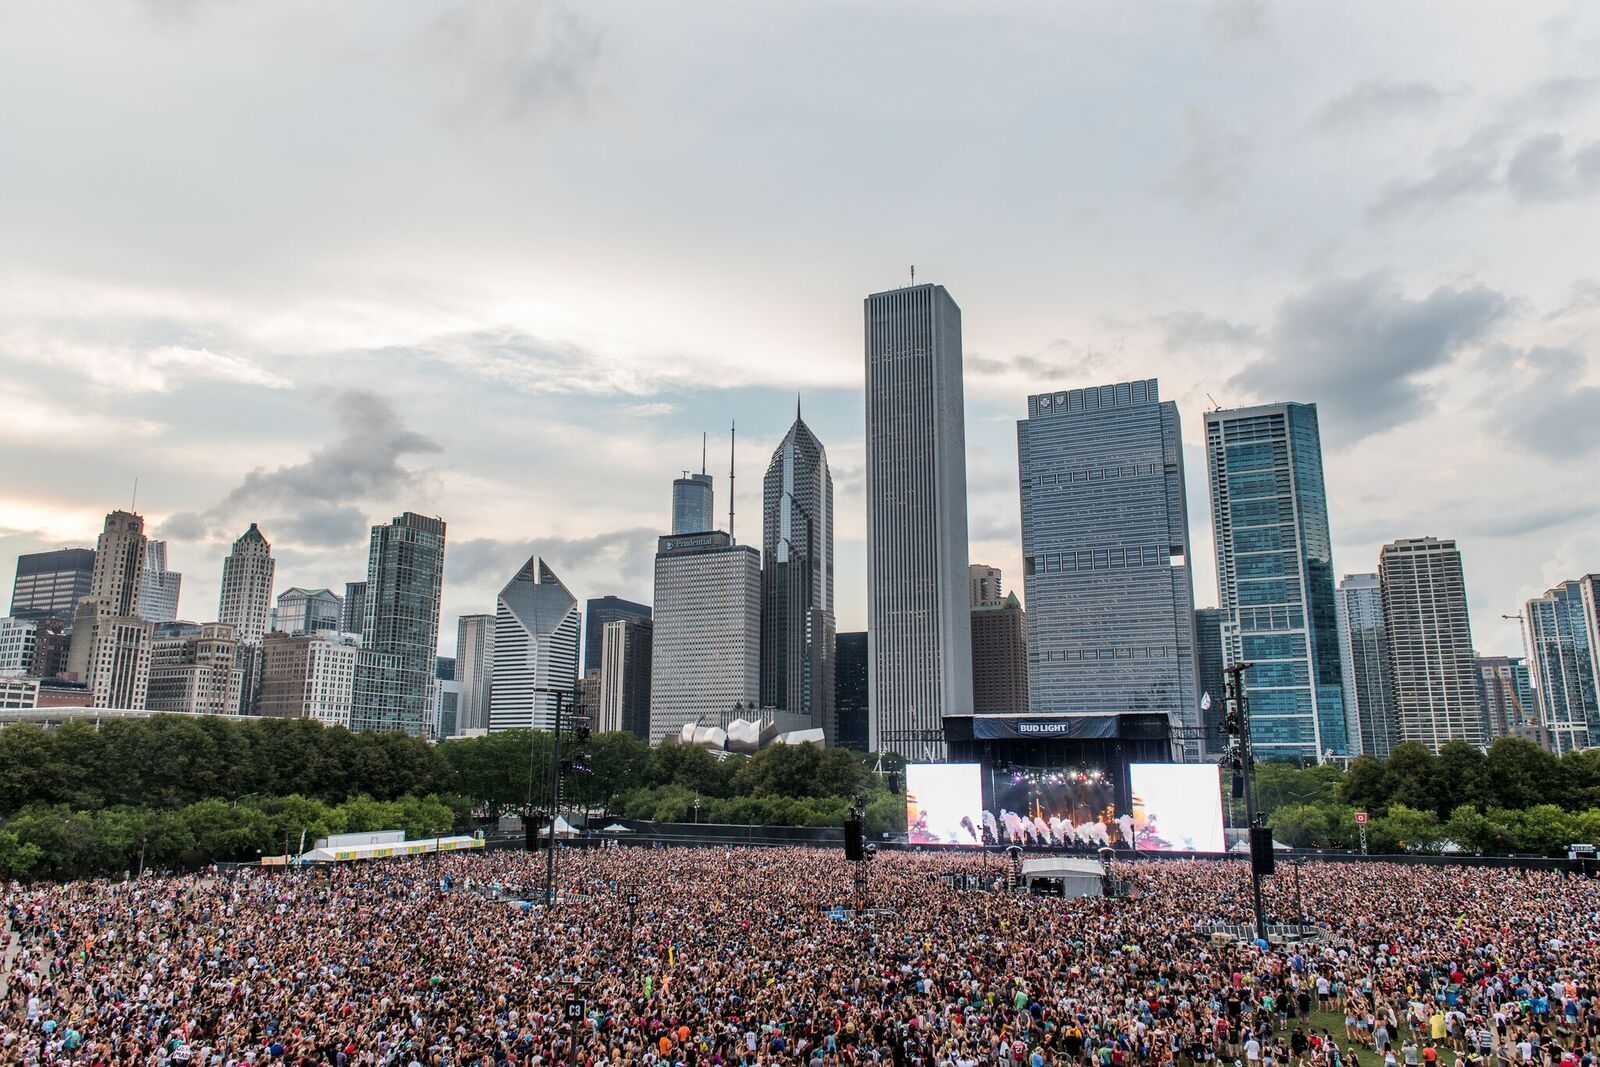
563 827
389 849
616 828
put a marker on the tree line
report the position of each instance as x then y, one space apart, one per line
1514 797
186 791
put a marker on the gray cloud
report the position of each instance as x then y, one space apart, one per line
312 500
1541 169
537 365
1359 346
1473 167
1196 329
1550 411
629 554
1057 364
1238 20
1583 295
513 61
1377 100
1212 165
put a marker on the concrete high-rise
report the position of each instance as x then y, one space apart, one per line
1105 556
986 585
705 659
355 607
474 670
192 670
535 650
1209 678
308 676
306 611
599 613
394 681
111 645
1563 634
797 620
1364 665
50 584
1000 658
919 624
692 501
18 644
158 587
1433 669
1269 514
625 655
246 600
850 700
1510 708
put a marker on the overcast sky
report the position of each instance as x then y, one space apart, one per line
311 265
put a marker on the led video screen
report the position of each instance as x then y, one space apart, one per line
1066 808
944 803
1177 807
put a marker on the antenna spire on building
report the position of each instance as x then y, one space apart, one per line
702 452
797 406
913 274
732 434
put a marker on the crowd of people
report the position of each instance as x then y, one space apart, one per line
712 957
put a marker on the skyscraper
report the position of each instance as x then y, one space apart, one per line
474 670
394 679
352 617
306 611
158 587
1432 668
705 660
308 676
999 658
1364 666
692 504
18 644
918 623
1509 706
985 585
535 650
1563 633
50 584
797 621
850 699
600 612
111 645
193 670
1105 555
1209 678
1269 514
246 601
625 677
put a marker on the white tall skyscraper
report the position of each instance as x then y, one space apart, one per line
474 670
246 601
706 646
535 650
918 617
111 645
1432 667
158 587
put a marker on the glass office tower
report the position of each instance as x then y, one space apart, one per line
1269 512
1105 556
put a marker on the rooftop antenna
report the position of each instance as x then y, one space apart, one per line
702 451
133 505
732 432
913 274
1214 405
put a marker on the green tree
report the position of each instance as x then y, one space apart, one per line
1302 825
1279 783
1520 774
1412 773
1459 777
1406 829
1365 786
18 859
1581 769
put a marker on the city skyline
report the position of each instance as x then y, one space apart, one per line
1259 248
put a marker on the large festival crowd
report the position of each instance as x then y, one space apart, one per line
711 957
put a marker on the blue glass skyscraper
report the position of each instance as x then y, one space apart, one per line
1105 545
1269 514
1564 651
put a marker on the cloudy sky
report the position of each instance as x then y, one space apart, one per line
312 265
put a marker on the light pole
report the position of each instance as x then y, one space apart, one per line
1237 721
